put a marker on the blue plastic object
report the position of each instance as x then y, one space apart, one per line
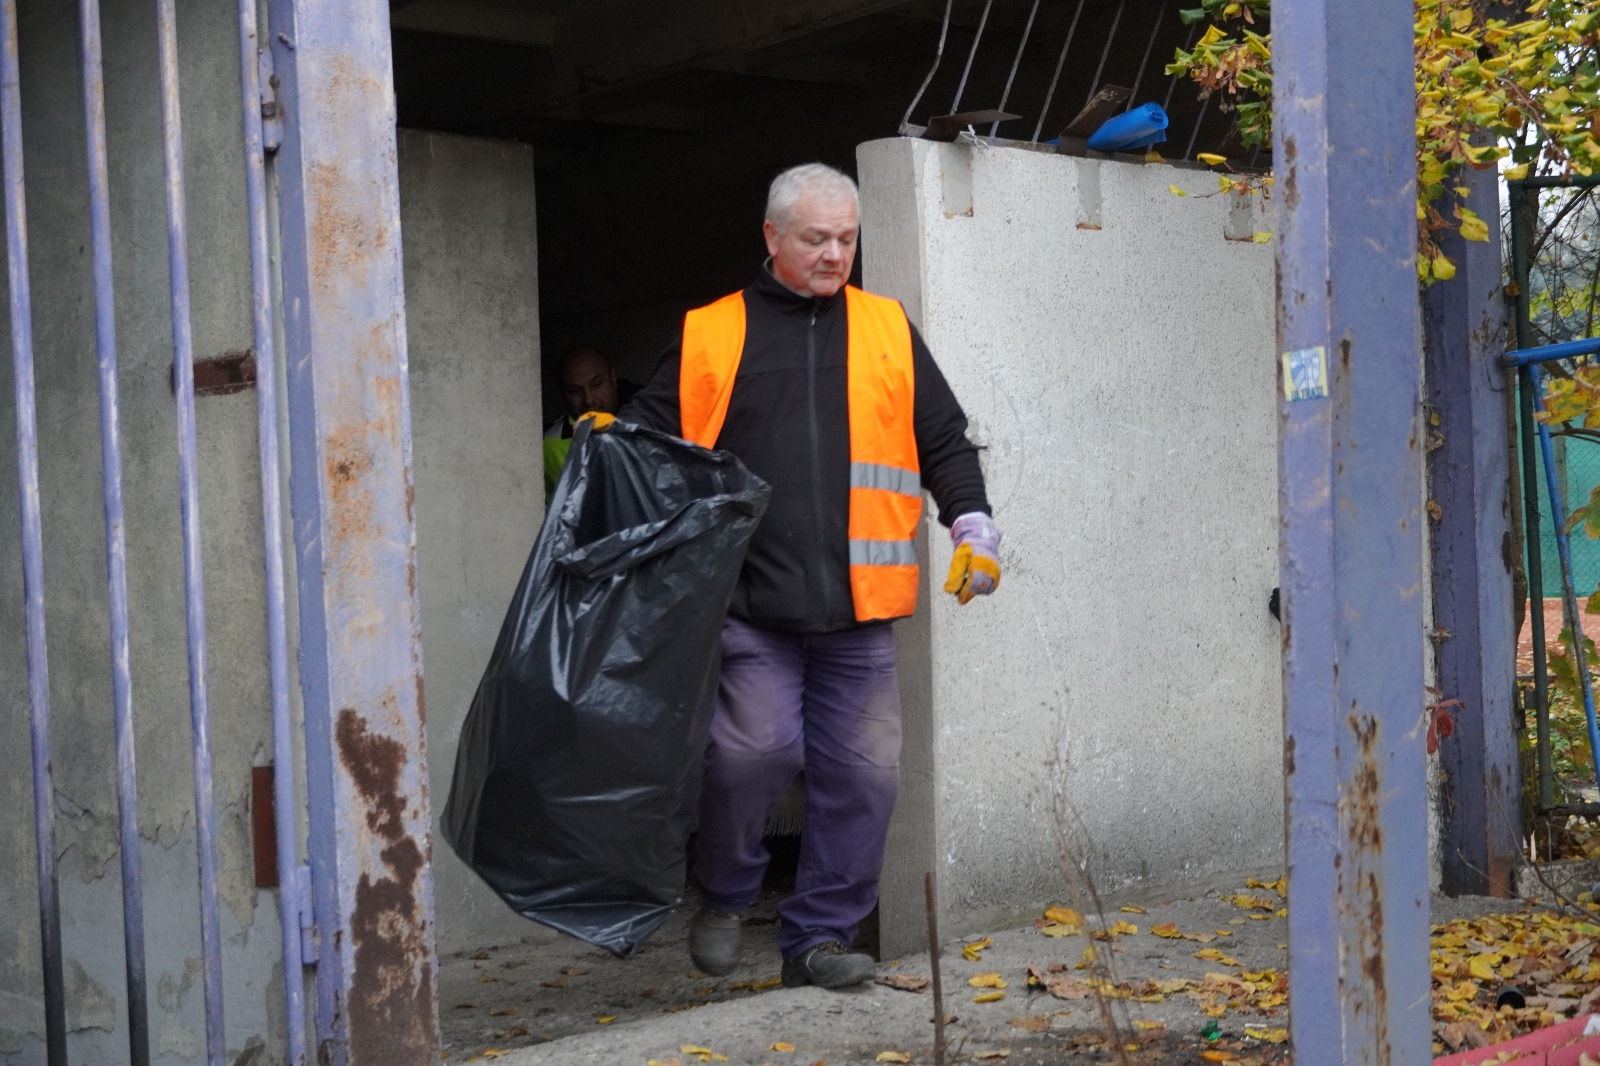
1142 126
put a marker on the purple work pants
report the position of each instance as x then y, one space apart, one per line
826 703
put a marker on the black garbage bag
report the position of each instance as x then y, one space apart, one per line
578 773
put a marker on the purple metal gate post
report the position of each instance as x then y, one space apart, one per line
1350 461
105 330
1469 458
355 533
21 305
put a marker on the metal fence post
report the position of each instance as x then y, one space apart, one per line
1464 325
355 533
1351 550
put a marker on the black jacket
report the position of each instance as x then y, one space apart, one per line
788 421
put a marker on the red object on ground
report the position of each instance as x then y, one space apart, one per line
1559 1045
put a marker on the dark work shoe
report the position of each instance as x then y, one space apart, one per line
714 941
829 965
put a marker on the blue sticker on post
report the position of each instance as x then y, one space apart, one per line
1305 374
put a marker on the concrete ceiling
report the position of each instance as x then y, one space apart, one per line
511 67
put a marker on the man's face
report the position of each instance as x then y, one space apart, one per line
814 253
588 384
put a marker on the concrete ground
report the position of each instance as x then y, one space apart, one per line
553 1001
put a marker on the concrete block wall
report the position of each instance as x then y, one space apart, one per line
1112 343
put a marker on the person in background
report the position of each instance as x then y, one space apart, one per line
829 394
588 382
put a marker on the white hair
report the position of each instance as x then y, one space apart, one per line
823 182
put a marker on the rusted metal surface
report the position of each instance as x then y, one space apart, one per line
222 374
355 534
1351 548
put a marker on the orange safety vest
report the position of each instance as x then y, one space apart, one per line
885 477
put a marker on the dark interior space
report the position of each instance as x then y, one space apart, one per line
656 128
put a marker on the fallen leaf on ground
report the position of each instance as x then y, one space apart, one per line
574 971
1216 956
1140 1023
605 1019
905 982
468 1006
1166 930
1132 909
663 1062
1271 1036
1063 915
781 1046
988 997
503 1012
1032 1023
987 980
973 952
513 1033
993 1053
892 1056
555 982
1212 1054
492 1053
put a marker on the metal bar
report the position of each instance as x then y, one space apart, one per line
933 963
1516 193
1549 352
1569 596
1194 134
1050 94
972 54
1474 629
1351 551
1116 20
283 780
1149 46
938 55
189 502
21 306
1557 181
1172 80
105 327
1016 61
355 534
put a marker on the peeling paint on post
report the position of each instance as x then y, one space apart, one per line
355 534
1351 548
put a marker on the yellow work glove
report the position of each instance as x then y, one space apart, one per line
599 421
975 568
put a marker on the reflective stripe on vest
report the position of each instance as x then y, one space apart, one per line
885 477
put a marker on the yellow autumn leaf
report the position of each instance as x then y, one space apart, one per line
781 1045
1057 930
1482 966
492 1053
693 1049
1130 908
988 997
1212 1054
1261 236
973 952
1121 928
987 980
605 1019
1174 190
1271 1036
1211 159
1516 173
1216 956
1473 228
1140 1023
893 1056
1063 916
1212 35
1443 268
1166 930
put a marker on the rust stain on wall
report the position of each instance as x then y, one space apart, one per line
1360 807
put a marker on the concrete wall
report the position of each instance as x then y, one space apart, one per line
472 327
1113 350
469 244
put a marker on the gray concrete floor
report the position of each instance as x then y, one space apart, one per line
546 1001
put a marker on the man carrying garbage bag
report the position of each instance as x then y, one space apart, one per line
829 395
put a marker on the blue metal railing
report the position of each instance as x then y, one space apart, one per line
32 534
283 798
1530 362
189 505
105 329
